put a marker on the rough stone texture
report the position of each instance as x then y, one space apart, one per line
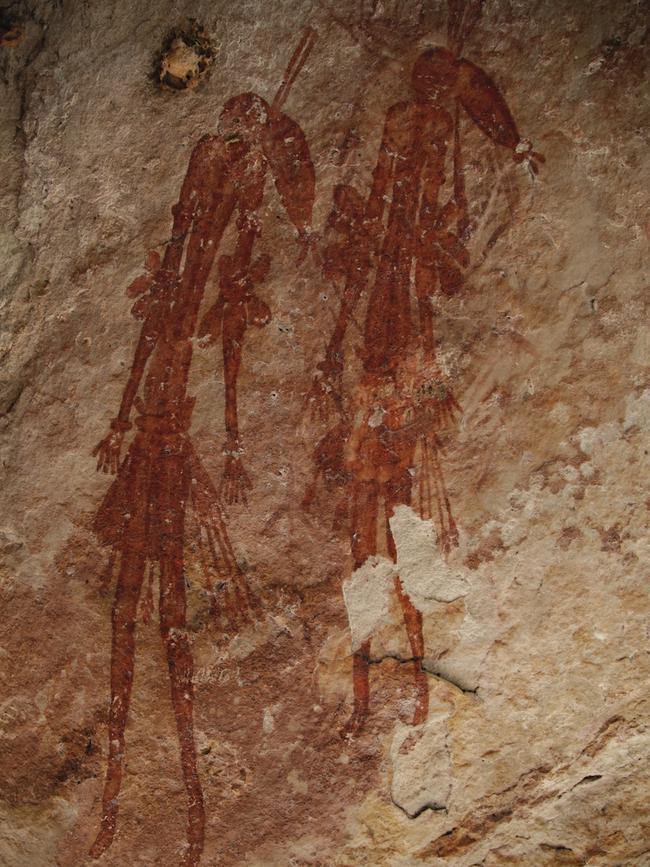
535 748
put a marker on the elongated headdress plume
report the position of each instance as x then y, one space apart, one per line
296 63
479 97
462 17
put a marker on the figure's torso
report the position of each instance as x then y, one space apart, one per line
222 183
414 148
417 136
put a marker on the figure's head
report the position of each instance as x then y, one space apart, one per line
435 73
243 118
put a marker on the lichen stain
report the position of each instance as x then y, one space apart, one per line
185 58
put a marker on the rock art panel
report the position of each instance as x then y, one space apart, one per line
361 579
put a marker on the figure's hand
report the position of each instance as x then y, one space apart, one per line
232 596
236 601
525 154
235 481
107 452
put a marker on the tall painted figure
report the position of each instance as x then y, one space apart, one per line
143 516
394 251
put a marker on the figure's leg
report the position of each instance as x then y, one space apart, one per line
125 608
364 544
361 687
399 493
413 623
181 670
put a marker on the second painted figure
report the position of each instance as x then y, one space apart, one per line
392 252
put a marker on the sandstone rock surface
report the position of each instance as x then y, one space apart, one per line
534 747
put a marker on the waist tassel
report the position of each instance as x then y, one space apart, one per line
433 494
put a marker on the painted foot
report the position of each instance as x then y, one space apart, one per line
192 856
354 725
422 700
106 833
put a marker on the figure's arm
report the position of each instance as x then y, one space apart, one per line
287 151
326 386
363 222
108 450
249 230
236 481
369 235
236 280
233 330
332 365
183 216
382 177
146 343
184 210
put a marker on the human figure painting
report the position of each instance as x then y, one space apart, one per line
393 251
142 520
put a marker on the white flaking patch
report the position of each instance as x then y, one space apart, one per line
593 438
268 723
421 765
368 593
425 573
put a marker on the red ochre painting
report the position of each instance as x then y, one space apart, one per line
392 252
142 518
386 253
